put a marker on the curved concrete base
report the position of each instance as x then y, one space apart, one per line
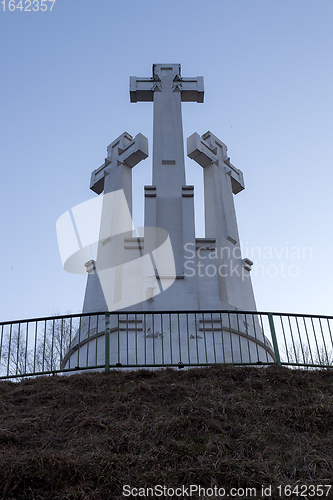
138 340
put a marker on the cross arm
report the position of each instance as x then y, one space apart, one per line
132 153
97 178
192 89
142 89
208 149
237 178
199 151
124 150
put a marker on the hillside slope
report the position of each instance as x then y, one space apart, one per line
86 436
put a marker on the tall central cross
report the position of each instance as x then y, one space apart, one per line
168 89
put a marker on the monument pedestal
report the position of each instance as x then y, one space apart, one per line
170 339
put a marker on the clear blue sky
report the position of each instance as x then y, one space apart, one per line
267 67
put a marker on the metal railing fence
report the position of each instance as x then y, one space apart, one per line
104 341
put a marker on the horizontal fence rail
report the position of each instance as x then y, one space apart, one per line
104 341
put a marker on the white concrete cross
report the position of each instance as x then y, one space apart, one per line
114 175
168 89
221 181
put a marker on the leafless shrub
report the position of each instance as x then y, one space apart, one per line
301 353
53 344
16 357
24 352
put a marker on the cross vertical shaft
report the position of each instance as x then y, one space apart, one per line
168 148
114 176
167 209
221 181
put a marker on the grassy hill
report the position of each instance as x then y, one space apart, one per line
86 436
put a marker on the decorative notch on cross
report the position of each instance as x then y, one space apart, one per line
90 266
247 264
123 151
150 191
187 191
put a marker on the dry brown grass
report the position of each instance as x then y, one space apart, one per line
85 436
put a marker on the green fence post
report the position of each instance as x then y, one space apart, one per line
274 340
107 341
